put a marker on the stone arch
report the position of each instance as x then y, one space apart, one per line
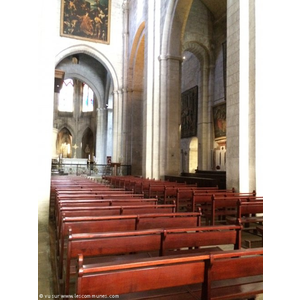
88 144
134 105
98 90
64 142
199 50
111 91
73 50
204 130
170 93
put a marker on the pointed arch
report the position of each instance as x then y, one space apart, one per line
98 89
134 105
170 94
88 144
64 142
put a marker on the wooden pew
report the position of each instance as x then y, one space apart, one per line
154 274
203 198
64 205
184 194
247 212
123 223
113 210
98 195
106 202
219 207
155 242
109 199
102 202
228 275
235 275
223 208
88 188
184 199
57 183
157 189
171 193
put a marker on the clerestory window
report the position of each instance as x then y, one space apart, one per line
87 99
65 100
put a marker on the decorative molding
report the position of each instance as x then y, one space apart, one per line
170 57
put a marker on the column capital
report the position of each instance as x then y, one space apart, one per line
170 57
125 5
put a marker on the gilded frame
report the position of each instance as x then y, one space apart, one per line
86 20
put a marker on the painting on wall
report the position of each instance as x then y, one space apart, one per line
189 112
86 20
219 117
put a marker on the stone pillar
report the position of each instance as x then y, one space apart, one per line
204 122
152 100
170 93
125 134
252 98
170 114
117 127
240 135
101 136
54 138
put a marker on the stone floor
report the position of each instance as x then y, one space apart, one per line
45 277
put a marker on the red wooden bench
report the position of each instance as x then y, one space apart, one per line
113 210
247 212
235 275
220 207
101 202
202 198
232 274
155 242
123 223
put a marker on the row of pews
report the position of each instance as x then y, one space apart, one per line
121 239
188 197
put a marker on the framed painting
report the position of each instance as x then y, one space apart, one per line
86 20
189 112
219 117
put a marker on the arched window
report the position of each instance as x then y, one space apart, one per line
87 99
65 100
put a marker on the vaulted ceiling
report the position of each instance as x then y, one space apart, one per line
217 7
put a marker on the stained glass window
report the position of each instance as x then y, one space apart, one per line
88 99
65 100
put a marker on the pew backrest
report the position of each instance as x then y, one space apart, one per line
245 265
159 242
126 278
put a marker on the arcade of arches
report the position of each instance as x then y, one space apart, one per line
170 104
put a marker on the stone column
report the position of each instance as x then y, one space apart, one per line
252 98
54 138
170 114
101 135
204 121
240 136
117 127
152 100
125 133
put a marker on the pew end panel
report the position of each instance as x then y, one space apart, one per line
235 275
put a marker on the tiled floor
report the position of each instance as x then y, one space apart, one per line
46 283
